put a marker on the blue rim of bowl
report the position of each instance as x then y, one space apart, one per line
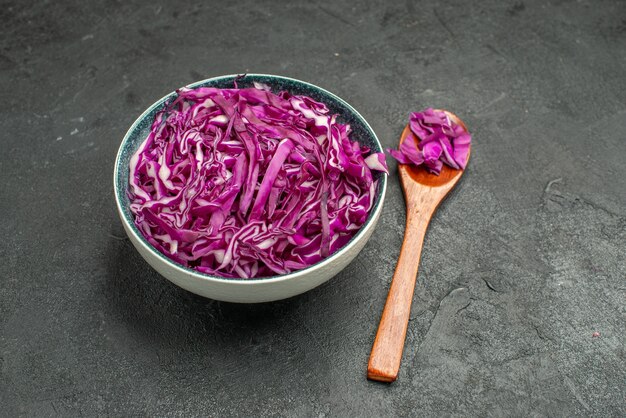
128 219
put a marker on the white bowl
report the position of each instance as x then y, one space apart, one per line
262 289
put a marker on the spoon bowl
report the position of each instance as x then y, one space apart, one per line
422 176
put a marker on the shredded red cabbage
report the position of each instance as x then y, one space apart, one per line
247 183
439 141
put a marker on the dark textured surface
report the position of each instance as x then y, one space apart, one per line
522 264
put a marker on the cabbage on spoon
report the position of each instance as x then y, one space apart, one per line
437 141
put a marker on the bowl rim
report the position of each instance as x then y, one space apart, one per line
140 239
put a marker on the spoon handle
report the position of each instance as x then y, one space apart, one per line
384 362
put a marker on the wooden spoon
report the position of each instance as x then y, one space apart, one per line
423 192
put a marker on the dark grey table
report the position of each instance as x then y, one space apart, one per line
522 264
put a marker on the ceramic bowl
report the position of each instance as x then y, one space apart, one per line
258 289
